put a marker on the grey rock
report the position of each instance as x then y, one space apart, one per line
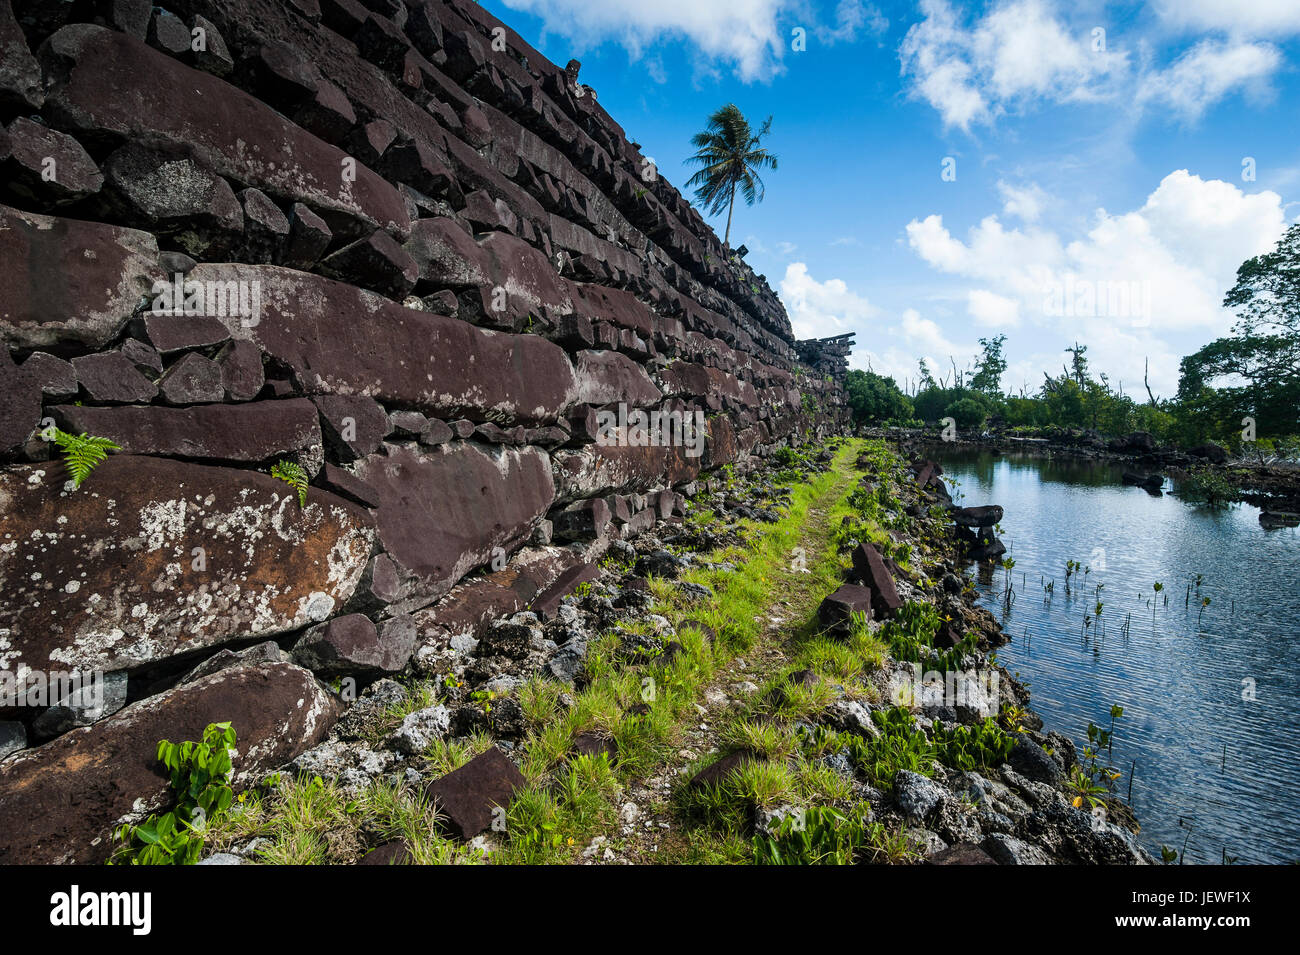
917 796
421 728
13 737
89 703
1007 850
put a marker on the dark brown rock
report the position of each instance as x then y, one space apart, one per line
110 83
36 148
326 332
192 379
266 228
20 75
72 792
605 377
354 426
20 403
963 853
103 272
547 602
352 646
308 238
255 432
241 370
376 262
209 49
984 516
136 591
869 570
170 333
837 610
718 772
112 377
173 195
469 799
53 376
443 511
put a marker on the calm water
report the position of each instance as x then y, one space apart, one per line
1214 771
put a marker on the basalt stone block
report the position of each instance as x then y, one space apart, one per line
963 853
718 772
869 569
354 426
599 469
353 646
837 610
547 603
112 377
183 556
984 516
266 228
175 196
416 165
107 83
73 792
585 520
347 484
368 142
87 704
467 799
242 374
53 376
209 49
254 432
328 114
308 238
20 403
104 271
376 262
439 432
168 33
606 377
342 340
407 424
20 74
191 380
146 359
36 149
172 333
443 511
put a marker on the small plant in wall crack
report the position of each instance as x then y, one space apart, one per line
82 453
292 473
200 781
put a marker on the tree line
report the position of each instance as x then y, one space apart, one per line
1242 388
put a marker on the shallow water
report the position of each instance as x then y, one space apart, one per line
1215 772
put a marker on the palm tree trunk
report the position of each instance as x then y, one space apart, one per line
726 238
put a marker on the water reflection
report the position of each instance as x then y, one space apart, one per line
1209 693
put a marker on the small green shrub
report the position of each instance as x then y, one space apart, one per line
200 781
81 453
292 473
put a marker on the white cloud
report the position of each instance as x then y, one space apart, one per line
1207 73
821 309
853 17
992 310
1017 53
1252 18
740 33
1024 202
1149 282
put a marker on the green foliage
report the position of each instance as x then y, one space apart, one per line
968 413
910 634
292 473
971 748
730 156
200 781
82 453
820 836
875 399
1209 488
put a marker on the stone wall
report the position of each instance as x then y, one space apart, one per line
414 257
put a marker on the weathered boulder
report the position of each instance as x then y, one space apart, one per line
181 556
837 610
73 792
443 511
606 377
329 334
352 645
1213 453
103 274
469 798
51 165
869 570
985 516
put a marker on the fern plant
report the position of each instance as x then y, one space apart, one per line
291 473
82 453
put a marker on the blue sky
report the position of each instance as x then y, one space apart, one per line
1114 162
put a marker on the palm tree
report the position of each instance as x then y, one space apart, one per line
730 157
